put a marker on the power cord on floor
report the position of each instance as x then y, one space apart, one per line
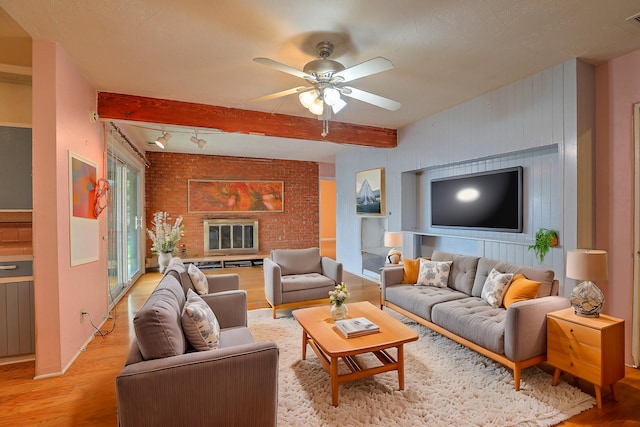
102 333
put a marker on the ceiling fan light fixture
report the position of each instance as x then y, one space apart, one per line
331 96
307 98
317 108
339 105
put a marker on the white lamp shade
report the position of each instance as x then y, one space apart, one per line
339 105
331 95
392 239
307 98
587 264
317 107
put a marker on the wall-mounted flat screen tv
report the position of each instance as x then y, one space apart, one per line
489 200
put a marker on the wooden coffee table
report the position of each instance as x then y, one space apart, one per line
318 331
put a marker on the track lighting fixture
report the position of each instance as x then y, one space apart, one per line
163 140
198 141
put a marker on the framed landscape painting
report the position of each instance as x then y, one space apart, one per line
235 196
370 192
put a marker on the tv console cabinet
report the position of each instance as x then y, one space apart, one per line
226 261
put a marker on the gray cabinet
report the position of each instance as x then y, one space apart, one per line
17 330
15 168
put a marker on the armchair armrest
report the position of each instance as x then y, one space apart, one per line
223 282
332 269
272 281
230 307
525 334
390 276
202 388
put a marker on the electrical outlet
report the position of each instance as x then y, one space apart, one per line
81 316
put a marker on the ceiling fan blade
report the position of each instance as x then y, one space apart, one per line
279 94
371 98
282 67
367 68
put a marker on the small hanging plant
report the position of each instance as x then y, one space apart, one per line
545 239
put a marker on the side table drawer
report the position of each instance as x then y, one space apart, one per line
574 331
575 350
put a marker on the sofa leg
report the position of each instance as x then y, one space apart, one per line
516 377
274 312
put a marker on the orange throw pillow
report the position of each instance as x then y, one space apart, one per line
521 289
411 268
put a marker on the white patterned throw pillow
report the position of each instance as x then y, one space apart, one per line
434 273
495 287
199 323
198 279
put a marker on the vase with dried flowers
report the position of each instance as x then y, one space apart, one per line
165 237
338 296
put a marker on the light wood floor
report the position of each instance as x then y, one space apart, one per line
85 394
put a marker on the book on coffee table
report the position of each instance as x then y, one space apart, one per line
357 327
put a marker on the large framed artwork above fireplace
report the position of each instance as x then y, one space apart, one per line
230 236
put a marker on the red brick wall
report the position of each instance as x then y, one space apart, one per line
296 227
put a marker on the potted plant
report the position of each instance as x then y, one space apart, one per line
545 239
165 237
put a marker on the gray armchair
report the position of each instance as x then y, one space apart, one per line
167 383
298 277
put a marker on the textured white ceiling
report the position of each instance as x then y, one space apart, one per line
444 51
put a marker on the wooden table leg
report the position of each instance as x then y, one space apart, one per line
334 381
400 349
598 396
304 344
556 376
614 393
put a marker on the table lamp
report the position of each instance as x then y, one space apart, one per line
587 264
393 240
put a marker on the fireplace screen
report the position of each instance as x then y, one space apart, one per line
230 236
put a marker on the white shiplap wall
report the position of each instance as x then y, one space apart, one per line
532 122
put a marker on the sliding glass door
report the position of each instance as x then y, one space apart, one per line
125 226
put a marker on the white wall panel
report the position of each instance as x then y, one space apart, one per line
531 122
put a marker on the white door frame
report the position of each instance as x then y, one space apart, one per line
635 327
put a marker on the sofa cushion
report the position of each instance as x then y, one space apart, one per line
411 269
472 318
420 300
157 324
495 287
297 261
231 337
299 282
463 270
177 268
545 277
198 279
520 289
434 273
199 323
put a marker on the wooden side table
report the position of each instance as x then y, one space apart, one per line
591 348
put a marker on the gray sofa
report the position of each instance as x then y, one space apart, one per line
165 382
515 337
297 277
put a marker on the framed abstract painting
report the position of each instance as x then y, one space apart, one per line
207 195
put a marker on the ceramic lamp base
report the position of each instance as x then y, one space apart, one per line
587 299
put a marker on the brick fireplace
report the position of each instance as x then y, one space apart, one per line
298 226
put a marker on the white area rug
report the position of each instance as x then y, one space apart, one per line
445 385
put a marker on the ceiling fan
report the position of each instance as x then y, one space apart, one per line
327 79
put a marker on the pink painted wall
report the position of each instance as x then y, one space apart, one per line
617 89
62 102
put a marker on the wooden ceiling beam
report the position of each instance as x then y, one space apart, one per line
114 106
